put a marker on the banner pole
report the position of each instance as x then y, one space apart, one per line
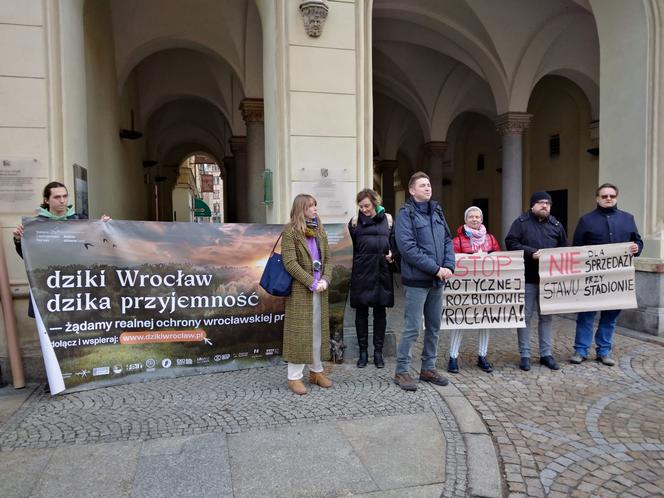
15 361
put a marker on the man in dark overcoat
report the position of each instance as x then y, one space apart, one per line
606 224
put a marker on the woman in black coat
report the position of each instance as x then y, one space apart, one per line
371 284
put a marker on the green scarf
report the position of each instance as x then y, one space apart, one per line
47 214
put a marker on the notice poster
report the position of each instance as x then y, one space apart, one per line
587 278
485 292
18 188
127 301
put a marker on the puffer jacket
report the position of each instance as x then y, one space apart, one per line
371 280
462 243
425 243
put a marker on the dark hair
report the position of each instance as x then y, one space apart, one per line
606 185
47 192
416 176
371 194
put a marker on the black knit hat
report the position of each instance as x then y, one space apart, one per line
539 196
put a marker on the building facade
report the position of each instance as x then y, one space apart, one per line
493 99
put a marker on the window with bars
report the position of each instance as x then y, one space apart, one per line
480 162
554 145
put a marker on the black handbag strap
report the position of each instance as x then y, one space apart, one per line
275 244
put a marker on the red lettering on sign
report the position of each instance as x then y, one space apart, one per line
564 263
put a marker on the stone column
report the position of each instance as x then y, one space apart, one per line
230 192
386 168
240 204
252 113
511 127
434 154
318 120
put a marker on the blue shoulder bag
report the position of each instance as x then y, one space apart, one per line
275 279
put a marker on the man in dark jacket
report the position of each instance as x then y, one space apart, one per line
605 225
427 259
55 206
530 232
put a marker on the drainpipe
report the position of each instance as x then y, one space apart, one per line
15 361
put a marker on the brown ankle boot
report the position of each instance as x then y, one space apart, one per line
297 386
319 379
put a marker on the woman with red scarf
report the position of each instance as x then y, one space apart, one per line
472 238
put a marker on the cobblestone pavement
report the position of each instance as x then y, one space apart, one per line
586 430
231 402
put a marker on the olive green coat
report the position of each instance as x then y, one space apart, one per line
298 323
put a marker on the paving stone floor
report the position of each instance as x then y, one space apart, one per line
586 430
245 402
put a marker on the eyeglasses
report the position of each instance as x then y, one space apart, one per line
544 202
608 196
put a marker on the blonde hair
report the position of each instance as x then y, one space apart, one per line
297 218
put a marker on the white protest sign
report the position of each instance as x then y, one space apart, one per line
485 292
587 278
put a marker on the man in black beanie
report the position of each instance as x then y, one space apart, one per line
534 230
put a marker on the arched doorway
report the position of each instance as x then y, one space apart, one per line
187 80
449 64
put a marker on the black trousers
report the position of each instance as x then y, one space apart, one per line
362 327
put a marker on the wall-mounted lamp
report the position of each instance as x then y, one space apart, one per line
159 179
148 163
267 187
130 134
594 151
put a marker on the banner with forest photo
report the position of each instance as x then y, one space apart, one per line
127 301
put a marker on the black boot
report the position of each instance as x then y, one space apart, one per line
484 364
380 323
363 359
362 329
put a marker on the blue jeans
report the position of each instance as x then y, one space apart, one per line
419 302
603 336
544 326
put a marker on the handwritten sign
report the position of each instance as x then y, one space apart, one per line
486 291
587 278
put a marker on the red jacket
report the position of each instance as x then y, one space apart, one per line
462 243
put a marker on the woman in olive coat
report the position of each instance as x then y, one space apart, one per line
305 254
371 283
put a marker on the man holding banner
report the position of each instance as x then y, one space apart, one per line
54 207
531 232
606 224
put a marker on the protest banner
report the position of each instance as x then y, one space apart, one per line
587 278
127 301
485 292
